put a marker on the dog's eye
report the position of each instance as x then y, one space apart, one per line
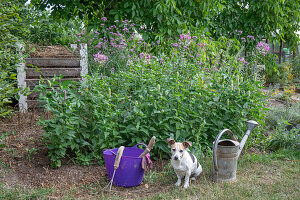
181 151
173 149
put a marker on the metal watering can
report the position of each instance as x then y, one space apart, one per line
226 153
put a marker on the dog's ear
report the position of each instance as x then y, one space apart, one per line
170 141
187 144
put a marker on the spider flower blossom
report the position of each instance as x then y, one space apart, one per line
263 47
100 58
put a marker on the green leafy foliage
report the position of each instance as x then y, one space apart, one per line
191 93
282 138
161 18
10 24
19 23
276 116
282 128
44 30
272 19
296 68
7 91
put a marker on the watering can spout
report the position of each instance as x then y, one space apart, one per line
251 124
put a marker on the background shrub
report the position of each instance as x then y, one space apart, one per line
275 116
296 69
10 23
284 138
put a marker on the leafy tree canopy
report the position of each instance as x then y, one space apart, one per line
11 24
162 17
262 19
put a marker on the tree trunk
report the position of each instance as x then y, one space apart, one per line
280 51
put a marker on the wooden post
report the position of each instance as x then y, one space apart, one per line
21 80
83 61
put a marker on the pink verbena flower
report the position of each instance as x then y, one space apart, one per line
185 36
242 60
142 55
146 56
251 37
100 58
201 45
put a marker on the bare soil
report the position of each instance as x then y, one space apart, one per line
24 162
56 51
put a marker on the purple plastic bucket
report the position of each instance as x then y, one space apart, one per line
129 172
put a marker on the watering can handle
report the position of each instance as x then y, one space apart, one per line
216 145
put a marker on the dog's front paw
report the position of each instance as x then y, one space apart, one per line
186 185
178 183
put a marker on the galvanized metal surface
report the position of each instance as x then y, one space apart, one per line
226 153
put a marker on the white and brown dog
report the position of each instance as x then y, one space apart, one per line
184 163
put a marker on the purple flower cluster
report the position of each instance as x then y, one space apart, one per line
250 37
125 21
242 60
238 31
263 47
175 45
185 36
100 58
161 61
202 45
145 56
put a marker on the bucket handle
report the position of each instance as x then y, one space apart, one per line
135 146
109 151
216 146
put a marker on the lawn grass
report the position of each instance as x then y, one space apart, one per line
267 176
274 176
